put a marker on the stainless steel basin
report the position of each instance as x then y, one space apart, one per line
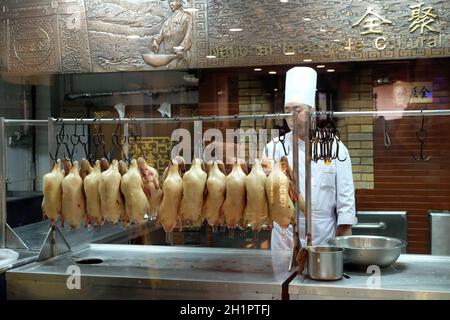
364 251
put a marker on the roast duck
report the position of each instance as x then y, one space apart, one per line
235 198
256 213
194 182
172 194
136 202
215 194
117 193
52 190
280 191
73 205
92 192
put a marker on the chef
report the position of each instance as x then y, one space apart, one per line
332 190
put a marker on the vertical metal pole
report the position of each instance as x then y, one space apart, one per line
308 118
296 237
296 170
120 107
53 242
51 138
125 135
2 184
198 139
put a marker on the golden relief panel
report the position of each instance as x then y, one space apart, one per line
128 35
3 46
279 33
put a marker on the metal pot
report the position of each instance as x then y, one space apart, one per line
363 251
325 263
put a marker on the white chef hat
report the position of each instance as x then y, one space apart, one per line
301 87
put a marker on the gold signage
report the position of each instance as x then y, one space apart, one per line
372 22
422 17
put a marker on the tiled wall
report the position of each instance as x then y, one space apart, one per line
357 132
255 97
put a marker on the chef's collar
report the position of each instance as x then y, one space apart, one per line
301 142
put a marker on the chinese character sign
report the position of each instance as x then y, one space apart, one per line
421 92
372 22
422 17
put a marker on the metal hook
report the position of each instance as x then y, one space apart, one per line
115 142
99 139
387 139
275 141
74 140
266 150
58 142
282 138
132 140
83 139
314 139
421 135
138 137
214 118
63 138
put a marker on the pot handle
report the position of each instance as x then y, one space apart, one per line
371 226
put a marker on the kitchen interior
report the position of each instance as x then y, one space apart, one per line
410 205
399 248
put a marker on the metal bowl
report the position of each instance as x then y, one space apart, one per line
364 251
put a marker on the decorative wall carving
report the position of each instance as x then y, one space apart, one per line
120 31
200 33
75 55
45 37
322 31
32 45
39 36
3 46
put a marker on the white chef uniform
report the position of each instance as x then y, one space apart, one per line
332 193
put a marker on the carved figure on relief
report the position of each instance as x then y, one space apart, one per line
171 46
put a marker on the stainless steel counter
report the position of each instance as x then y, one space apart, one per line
411 277
156 272
34 235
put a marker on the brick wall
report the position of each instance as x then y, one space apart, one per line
355 94
402 183
255 97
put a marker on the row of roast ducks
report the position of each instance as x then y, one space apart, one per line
115 192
